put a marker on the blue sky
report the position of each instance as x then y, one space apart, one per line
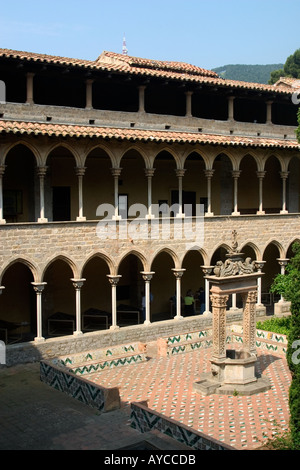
204 33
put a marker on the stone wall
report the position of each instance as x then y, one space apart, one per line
39 244
68 115
62 346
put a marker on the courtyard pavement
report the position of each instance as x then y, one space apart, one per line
34 416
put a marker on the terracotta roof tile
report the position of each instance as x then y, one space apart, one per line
135 135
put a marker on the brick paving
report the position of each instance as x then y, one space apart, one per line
244 422
35 416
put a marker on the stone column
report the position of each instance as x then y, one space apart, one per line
178 273
284 175
39 287
89 94
219 303
142 98
78 283
80 171
282 263
259 266
209 175
2 170
249 321
269 112
180 174
41 172
29 88
235 175
231 108
116 173
188 95
260 175
147 276
114 282
207 270
149 172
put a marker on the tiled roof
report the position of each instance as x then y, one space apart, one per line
113 62
141 135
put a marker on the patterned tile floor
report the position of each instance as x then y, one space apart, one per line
166 383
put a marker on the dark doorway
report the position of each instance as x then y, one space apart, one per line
61 203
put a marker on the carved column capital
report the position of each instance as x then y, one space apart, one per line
180 172
209 173
113 280
149 172
116 171
80 170
178 273
78 283
147 276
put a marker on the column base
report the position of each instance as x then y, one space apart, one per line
114 327
178 317
284 212
147 322
150 216
207 313
2 221
260 212
77 333
180 216
209 214
42 220
39 339
80 219
116 217
235 213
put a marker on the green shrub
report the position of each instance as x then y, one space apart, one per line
276 325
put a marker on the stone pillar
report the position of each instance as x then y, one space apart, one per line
231 108
188 95
114 282
116 173
2 170
39 287
219 303
259 266
249 321
78 283
149 172
180 174
282 306
89 94
80 171
142 98
207 270
260 175
284 175
147 276
29 88
269 112
41 172
235 175
209 175
178 273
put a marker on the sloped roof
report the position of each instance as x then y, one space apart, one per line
141 135
113 62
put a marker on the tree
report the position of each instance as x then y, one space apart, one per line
291 68
288 285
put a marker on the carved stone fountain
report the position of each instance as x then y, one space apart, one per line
233 370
